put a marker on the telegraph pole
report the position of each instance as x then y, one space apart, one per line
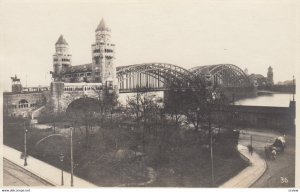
72 167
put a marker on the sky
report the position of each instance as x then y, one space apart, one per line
252 34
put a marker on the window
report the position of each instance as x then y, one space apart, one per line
23 103
96 60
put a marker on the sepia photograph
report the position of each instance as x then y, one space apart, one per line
144 94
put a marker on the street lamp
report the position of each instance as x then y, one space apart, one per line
71 146
61 158
211 150
25 144
72 167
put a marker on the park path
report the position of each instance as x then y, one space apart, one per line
43 170
248 176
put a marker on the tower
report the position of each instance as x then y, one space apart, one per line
61 59
270 76
103 68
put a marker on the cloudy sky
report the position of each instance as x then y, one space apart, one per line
252 34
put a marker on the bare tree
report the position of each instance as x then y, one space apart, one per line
146 109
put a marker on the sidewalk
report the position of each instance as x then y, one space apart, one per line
249 175
43 170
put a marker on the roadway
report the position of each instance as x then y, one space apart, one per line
281 171
14 175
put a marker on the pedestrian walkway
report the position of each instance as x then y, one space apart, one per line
43 170
249 175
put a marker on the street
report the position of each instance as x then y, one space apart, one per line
281 171
14 175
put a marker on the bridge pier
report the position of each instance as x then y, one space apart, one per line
56 92
62 94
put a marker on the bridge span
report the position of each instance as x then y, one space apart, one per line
163 76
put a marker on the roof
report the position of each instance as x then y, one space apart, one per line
102 26
61 41
79 68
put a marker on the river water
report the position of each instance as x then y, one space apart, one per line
273 100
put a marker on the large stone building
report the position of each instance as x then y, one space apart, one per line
69 82
102 68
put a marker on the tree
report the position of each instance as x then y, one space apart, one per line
174 103
83 110
145 107
107 102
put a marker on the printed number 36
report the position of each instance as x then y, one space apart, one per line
284 180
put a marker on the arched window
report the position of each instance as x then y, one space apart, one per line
23 103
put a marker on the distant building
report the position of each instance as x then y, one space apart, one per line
258 80
270 76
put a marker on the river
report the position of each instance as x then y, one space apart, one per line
274 100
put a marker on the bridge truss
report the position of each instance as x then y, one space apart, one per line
155 76
162 76
223 75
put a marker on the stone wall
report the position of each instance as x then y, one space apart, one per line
12 105
277 118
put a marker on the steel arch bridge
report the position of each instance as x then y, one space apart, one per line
224 75
154 76
161 76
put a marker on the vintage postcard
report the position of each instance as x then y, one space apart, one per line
186 94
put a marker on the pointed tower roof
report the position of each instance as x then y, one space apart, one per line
102 26
61 41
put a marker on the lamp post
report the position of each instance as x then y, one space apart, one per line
61 158
71 147
211 151
25 144
72 167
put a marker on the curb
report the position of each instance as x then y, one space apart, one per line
233 182
265 169
33 173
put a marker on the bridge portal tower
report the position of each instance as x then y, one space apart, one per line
61 59
103 67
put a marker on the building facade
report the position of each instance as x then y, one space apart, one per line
102 68
69 82
23 101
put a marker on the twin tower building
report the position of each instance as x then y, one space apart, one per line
101 70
